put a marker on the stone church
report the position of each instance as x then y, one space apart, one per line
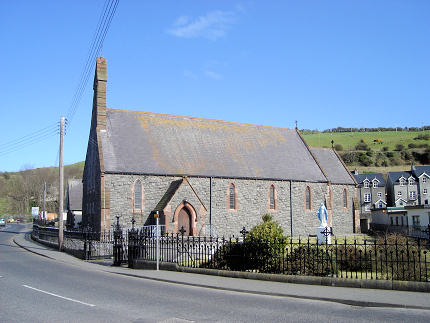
208 176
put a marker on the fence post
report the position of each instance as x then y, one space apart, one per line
118 241
132 242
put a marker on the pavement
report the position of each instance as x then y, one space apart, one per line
346 295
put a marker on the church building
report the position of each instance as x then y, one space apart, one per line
210 177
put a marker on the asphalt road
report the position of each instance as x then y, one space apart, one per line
37 289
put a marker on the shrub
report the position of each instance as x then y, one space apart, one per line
399 147
385 148
349 157
423 137
364 160
338 147
314 260
362 146
265 245
400 258
412 145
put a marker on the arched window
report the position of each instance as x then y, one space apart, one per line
345 198
272 200
137 204
308 198
232 197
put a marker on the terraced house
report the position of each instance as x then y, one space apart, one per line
371 196
207 176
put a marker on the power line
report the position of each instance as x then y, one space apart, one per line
29 136
104 23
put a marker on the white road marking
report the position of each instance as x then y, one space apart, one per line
52 294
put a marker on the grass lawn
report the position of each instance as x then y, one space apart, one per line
348 140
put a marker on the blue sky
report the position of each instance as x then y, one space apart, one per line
323 63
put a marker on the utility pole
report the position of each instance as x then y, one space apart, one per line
44 199
61 189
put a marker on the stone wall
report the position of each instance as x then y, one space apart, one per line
252 203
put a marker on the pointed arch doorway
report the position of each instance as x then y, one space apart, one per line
184 220
185 216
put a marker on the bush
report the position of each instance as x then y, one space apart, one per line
365 160
385 148
423 137
399 147
265 245
362 146
338 147
262 250
400 258
349 157
313 260
412 145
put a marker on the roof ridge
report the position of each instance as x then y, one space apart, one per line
198 118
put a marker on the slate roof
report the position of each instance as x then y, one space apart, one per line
171 191
419 170
150 143
74 195
395 176
332 166
370 176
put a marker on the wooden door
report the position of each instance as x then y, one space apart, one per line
184 220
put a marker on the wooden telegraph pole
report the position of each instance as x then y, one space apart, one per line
61 189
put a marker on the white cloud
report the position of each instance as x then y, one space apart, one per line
213 75
189 74
182 20
211 26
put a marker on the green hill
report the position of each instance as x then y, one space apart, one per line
21 190
349 140
379 151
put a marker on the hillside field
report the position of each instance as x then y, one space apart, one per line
348 140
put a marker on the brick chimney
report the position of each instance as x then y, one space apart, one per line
99 99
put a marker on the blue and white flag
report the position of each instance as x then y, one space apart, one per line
322 214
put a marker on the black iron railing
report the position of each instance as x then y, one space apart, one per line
389 257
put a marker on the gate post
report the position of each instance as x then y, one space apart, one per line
117 246
132 244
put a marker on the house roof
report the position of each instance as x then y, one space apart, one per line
74 195
159 144
395 176
360 178
419 170
333 166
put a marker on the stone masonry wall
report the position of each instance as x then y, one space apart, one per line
252 203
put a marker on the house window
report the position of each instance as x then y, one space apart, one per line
367 207
379 194
397 220
308 198
367 197
366 184
137 204
345 198
380 206
411 181
416 220
232 197
375 184
391 219
412 195
272 200
424 180
402 182
425 191
399 193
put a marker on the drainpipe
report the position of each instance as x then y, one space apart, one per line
210 206
291 208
